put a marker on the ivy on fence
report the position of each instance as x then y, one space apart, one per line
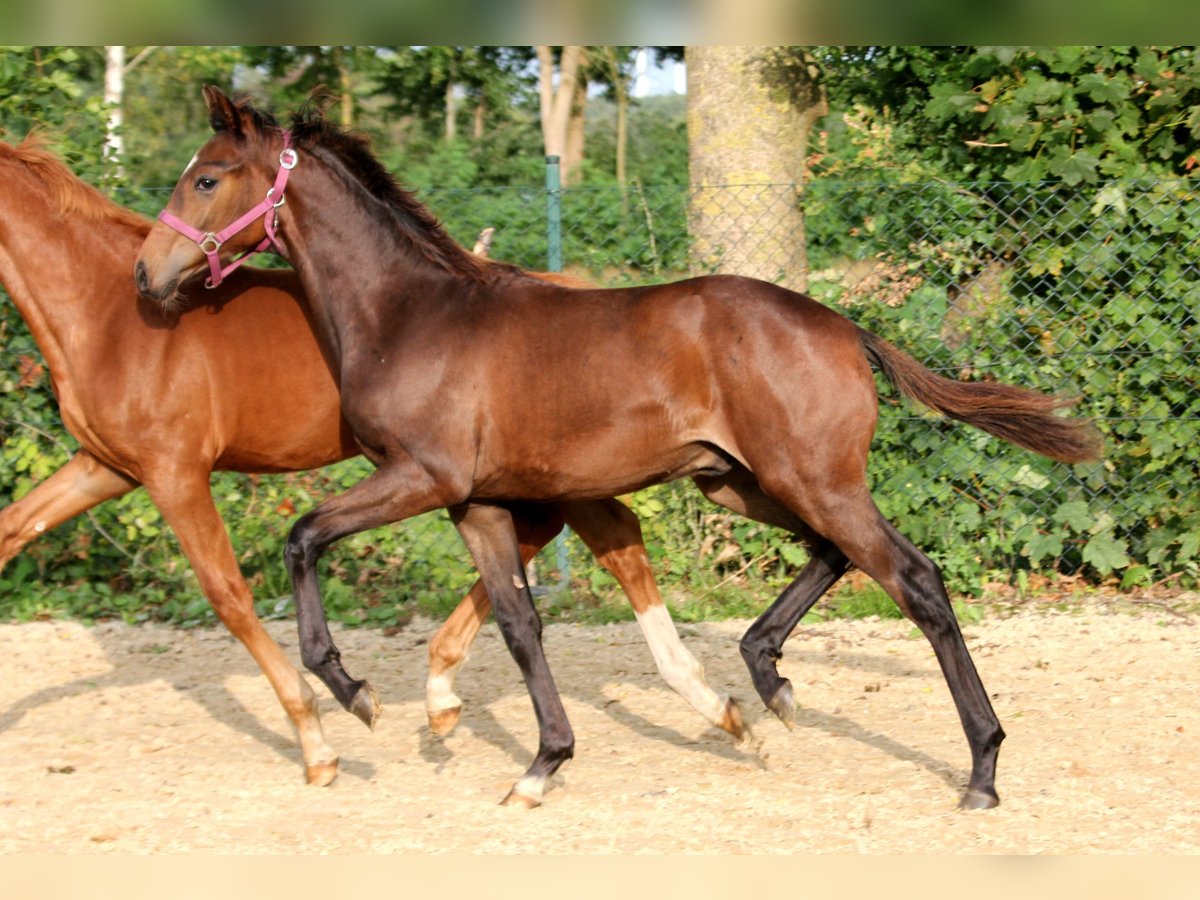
1085 292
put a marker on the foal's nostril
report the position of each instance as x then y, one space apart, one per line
141 278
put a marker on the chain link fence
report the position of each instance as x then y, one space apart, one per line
1090 292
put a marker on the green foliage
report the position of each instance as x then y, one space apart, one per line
1024 214
1075 114
431 83
55 89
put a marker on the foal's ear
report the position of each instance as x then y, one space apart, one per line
223 115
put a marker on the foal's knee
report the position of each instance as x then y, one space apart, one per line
521 627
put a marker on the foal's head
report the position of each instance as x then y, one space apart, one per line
228 176
206 222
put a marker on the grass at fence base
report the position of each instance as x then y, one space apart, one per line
90 603
27 599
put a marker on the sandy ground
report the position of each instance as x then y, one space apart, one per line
131 740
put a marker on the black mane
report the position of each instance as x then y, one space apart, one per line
313 131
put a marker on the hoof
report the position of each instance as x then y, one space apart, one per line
783 704
731 721
321 774
520 801
976 799
442 721
365 705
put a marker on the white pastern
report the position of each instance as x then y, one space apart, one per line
678 667
439 689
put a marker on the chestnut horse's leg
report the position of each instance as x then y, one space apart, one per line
185 501
489 535
83 482
536 526
613 533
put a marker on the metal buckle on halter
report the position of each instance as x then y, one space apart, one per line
288 158
209 237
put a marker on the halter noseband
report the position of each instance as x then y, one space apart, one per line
210 242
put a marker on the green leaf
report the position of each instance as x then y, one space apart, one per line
1075 514
1111 196
1105 553
1102 88
1189 544
1075 167
948 101
793 554
1027 476
1043 545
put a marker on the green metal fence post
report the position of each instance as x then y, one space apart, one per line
554 263
553 216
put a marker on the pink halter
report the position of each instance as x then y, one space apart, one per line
210 242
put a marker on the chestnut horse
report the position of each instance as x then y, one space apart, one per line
235 383
472 385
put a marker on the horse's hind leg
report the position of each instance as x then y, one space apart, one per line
762 644
848 517
83 482
536 526
612 532
489 535
185 501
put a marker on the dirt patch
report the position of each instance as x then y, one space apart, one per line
118 739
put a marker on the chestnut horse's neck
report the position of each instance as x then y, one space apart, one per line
64 251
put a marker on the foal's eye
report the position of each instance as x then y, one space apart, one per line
204 183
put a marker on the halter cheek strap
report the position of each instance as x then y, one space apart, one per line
210 242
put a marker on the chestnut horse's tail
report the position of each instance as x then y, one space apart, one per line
1014 414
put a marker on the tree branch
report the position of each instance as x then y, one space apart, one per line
137 60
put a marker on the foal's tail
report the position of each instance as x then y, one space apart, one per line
1014 414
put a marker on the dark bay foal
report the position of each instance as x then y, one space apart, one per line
473 386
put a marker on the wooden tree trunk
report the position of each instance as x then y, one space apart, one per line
347 95
478 121
621 92
556 100
114 98
573 152
451 112
747 142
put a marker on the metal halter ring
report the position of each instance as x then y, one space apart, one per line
210 237
288 158
282 199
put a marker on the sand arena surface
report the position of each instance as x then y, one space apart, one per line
118 739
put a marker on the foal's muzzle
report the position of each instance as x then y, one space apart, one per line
141 278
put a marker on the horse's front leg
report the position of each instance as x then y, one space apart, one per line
396 490
185 500
536 525
489 535
79 485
